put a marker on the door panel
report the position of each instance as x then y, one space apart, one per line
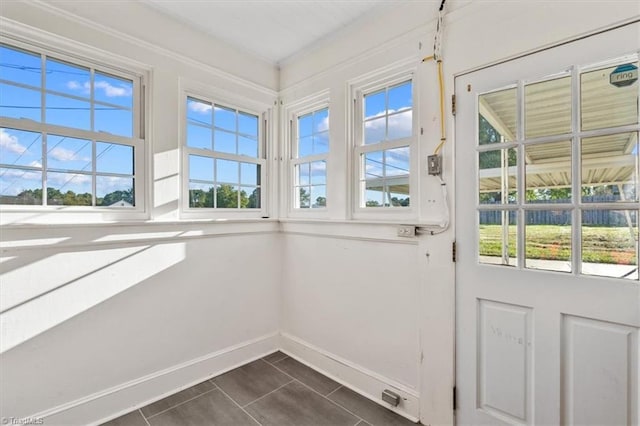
547 291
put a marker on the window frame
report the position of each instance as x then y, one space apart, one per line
575 137
358 90
292 113
241 105
75 54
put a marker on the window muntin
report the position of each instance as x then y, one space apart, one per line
223 153
69 130
310 154
569 165
384 145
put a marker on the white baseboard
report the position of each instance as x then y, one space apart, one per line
118 400
353 376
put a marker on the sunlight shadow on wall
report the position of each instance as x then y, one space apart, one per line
60 286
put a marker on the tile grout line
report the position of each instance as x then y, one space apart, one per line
239 406
144 417
334 391
178 404
325 397
275 362
267 394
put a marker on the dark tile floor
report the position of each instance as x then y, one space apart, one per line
276 390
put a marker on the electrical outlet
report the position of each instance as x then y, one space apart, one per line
406 231
434 165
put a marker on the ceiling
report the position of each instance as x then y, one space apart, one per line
271 29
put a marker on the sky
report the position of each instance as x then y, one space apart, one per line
68 103
68 93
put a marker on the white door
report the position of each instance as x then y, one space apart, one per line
547 198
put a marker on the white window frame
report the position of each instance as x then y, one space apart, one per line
77 54
221 98
358 89
292 112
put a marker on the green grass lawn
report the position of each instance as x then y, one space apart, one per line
599 244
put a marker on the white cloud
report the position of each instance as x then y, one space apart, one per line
400 126
69 180
11 143
35 163
109 89
199 107
82 87
63 154
112 91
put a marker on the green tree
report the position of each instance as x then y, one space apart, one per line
321 202
254 199
305 198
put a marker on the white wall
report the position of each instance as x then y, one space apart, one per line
149 307
99 317
353 296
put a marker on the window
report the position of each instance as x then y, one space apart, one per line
224 157
310 150
70 132
384 137
558 182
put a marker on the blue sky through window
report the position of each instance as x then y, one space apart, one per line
74 95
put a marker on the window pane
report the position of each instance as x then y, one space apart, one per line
303 197
609 168
548 108
397 162
112 191
246 200
68 189
63 111
604 104
67 153
20 148
227 171
199 137
113 90
227 196
201 195
375 104
305 125
305 146
609 243
303 173
374 195
20 66
400 125
114 158
247 146
375 130
224 142
199 112
318 173
373 168
113 120
497 176
19 186
200 168
498 237
68 79
224 118
254 197
548 172
400 97
321 120
248 124
16 102
497 118
318 196
250 174
321 143
548 240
